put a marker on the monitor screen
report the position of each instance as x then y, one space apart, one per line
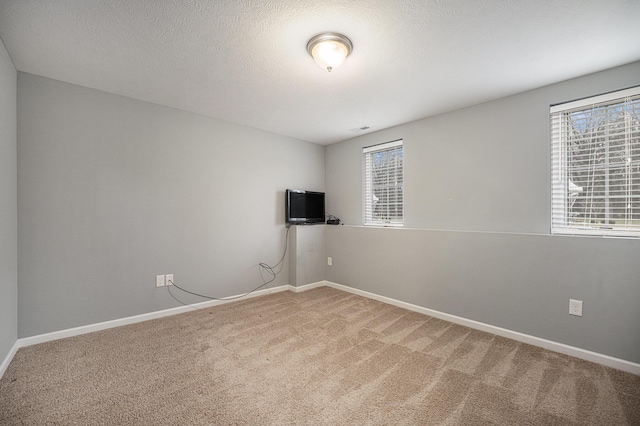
304 207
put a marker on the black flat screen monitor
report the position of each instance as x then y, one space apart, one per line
304 207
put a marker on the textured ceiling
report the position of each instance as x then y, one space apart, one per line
245 61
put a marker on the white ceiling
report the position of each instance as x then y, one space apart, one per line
245 61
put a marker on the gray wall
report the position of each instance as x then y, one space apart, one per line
8 206
307 258
113 191
477 205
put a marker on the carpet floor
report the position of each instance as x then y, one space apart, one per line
322 356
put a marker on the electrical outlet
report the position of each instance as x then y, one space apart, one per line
169 279
329 261
575 307
159 280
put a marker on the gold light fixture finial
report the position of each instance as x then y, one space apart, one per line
329 50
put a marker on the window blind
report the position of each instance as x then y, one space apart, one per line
384 184
596 165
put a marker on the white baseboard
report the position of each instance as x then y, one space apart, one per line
8 358
310 286
584 354
76 331
606 360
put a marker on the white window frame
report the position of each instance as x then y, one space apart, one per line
370 218
581 148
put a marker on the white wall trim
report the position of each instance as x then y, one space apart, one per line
7 360
598 358
584 354
310 286
76 331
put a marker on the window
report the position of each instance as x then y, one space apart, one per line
595 146
383 184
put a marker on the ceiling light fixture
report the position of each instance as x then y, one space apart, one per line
329 50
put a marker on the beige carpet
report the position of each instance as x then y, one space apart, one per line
319 357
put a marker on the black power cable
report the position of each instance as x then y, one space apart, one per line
263 266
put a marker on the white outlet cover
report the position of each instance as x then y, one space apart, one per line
159 280
575 307
169 279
